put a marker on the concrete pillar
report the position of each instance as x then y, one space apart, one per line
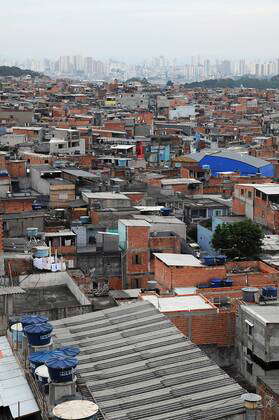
60 390
10 304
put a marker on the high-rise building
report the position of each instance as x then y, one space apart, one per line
65 64
88 65
78 63
242 67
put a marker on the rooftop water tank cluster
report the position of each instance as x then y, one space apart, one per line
56 366
37 330
209 260
18 328
61 368
216 282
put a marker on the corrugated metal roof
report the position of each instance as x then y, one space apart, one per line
244 158
138 366
14 290
80 173
134 223
177 181
269 189
59 233
15 392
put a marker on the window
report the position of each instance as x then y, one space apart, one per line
258 193
249 367
249 194
242 192
264 196
202 213
135 284
63 196
136 259
249 327
67 241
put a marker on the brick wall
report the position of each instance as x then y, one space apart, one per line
169 277
16 168
18 266
76 213
57 192
206 328
115 282
270 402
15 205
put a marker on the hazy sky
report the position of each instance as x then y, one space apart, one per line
136 29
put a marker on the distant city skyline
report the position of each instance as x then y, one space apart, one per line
160 68
133 29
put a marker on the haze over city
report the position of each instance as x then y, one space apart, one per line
139 210
133 30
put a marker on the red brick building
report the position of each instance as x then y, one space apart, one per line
138 244
259 203
196 317
180 270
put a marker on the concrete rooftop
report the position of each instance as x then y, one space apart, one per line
177 303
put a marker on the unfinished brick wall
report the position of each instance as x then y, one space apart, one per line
137 256
206 328
12 205
270 402
170 277
115 282
16 168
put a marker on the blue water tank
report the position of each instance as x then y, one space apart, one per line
37 359
209 260
220 259
41 251
216 282
203 286
269 292
84 219
61 368
33 320
69 351
32 232
38 334
228 282
166 211
4 173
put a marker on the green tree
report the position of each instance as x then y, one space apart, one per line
238 240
